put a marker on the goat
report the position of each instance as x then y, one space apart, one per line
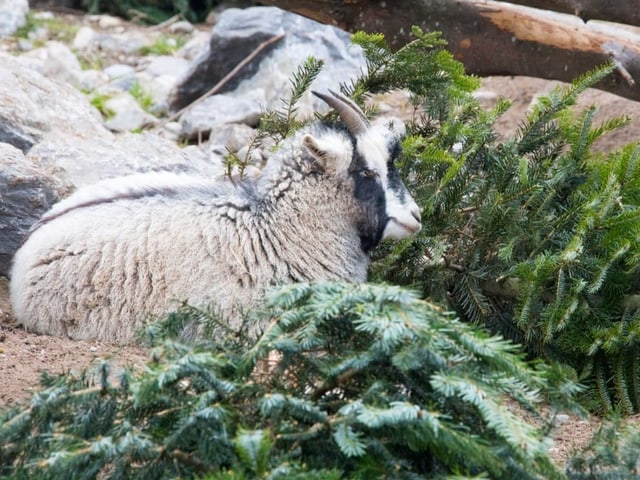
99 262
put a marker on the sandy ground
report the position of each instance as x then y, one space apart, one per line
24 356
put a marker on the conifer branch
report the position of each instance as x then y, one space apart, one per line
334 382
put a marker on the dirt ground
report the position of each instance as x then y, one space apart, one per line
23 356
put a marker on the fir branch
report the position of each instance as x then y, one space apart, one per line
280 123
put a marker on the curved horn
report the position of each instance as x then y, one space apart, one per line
351 115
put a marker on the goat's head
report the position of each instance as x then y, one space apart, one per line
368 155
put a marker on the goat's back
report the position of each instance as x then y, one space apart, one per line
97 269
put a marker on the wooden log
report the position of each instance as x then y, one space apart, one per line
620 11
494 38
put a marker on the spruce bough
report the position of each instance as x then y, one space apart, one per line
534 237
350 381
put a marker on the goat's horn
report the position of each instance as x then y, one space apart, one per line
353 118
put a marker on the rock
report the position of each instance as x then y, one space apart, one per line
231 137
34 107
13 15
128 41
229 45
44 15
106 22
55 61
218 110
92 80
84 38
127 114
167 65
199 156
27 191
181 28
122 76
194 47
90 160
158 89
212 17
173 128
237 34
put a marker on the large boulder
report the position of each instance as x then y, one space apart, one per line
27 191
236 34
33 107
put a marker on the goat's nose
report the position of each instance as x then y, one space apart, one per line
415 212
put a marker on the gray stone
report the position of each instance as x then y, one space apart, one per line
131 41
231 137
13 15
33 107
86 161
122 76
59 130
159 89
236 35
343 62
218 110
167 65
91 80
84 38
127 114
55 61
173 128
194 47
27 191
24 45
182 27
44 15
200 156
108 21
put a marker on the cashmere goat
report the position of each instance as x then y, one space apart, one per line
99 262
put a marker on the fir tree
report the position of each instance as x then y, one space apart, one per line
348 382
533 237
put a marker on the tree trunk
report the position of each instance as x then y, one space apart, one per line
619 11
496 38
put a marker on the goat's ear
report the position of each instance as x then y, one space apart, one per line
333 155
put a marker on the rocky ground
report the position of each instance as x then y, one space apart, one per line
24 356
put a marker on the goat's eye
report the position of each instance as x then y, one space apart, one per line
369 173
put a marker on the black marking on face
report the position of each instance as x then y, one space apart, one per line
395 149
372 198
394 180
